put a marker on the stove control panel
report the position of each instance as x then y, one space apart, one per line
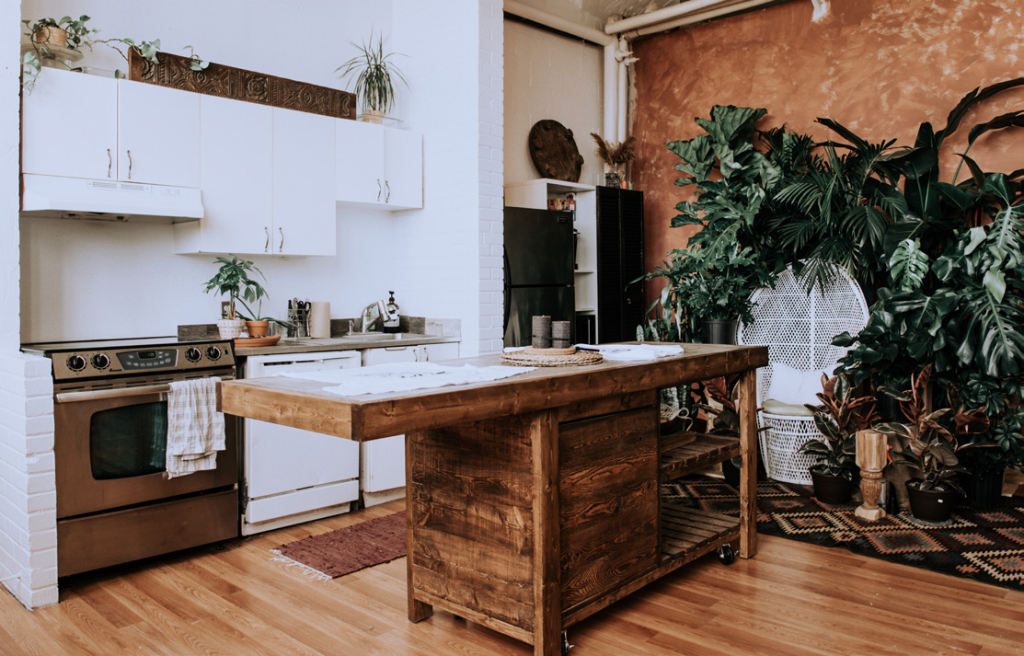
105 363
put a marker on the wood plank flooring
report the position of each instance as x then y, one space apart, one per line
793 599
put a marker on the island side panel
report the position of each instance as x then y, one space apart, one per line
609 502
471 537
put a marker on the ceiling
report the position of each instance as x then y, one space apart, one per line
595 13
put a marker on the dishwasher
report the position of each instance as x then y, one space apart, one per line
292 476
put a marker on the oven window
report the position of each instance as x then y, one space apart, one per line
129 441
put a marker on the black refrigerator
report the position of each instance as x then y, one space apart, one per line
538 270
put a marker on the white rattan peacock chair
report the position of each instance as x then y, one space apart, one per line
798 329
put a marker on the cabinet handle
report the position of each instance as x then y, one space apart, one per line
426 356
110 163
379 190
280 249
266 247
129 165
388 197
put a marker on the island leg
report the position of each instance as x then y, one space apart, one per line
748 466
418 611
547 586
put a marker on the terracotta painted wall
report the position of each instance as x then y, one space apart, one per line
880 68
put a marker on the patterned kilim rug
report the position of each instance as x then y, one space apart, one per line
986 545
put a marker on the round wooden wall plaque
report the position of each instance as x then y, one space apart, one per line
554 151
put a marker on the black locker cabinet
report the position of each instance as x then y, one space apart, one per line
620 261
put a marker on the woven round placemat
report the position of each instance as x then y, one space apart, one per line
577 359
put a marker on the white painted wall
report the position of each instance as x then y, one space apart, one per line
548 76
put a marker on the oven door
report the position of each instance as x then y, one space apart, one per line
110 446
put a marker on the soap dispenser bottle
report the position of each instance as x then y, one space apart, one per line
391 322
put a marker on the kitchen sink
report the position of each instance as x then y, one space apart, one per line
375 337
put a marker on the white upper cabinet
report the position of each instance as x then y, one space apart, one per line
305 214
267 182
158 135
63 103
360 162
379 167
127 131
236 162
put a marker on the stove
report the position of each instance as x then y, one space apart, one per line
114 502
148 356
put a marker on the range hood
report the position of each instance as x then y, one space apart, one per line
108 200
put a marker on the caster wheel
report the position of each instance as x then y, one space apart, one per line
565 644
726 555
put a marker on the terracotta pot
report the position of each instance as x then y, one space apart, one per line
54 36
230 328
931 505
257 328
833 490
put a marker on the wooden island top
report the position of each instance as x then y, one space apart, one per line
535 501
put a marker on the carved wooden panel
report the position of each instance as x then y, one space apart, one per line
238 84
554 152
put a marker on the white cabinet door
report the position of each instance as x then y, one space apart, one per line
64 103
437 352
305 212
360 162
236 163
383 460
403 169
158 135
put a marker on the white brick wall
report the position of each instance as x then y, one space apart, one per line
491 174
28 498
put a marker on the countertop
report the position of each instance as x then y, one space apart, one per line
311 345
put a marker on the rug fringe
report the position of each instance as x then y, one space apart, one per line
314 574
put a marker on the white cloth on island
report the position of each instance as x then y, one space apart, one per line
634 352
404 377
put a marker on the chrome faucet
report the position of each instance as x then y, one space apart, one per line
365 317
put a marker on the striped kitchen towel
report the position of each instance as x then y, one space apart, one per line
195 430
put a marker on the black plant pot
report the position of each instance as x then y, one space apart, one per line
731 473
931 505
833 490
719 331
984 489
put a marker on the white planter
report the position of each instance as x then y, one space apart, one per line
230 328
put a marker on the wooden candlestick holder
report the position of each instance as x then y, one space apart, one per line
871 458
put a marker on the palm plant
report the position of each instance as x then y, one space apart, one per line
373 71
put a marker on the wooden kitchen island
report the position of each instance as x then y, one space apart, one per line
533 501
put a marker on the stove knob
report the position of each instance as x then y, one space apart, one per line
213 353
100 361
192 354
76 363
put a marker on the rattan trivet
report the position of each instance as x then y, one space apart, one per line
577 359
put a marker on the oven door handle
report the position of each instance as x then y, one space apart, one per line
116 393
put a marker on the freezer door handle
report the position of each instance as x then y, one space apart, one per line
508 297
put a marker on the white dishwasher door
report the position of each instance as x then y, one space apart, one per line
292 475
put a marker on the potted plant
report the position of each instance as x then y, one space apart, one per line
712 292
929 442
232 279
374 72
838 418
616 156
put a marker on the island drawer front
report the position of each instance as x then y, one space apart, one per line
471 501
608 481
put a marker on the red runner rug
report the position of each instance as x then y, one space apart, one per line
348 549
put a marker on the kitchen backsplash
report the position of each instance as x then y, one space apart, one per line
339 328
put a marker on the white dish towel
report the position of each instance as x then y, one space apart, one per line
195 430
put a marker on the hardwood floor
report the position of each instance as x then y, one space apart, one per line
793 599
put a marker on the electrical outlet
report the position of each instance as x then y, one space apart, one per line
224 307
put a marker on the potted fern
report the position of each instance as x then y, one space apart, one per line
374 74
